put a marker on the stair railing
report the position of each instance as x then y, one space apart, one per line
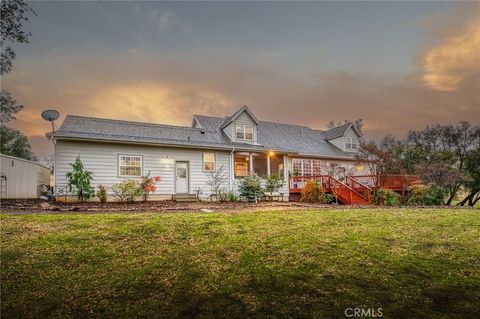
354 184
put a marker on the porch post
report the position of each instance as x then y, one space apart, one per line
268 163
250 163
232 170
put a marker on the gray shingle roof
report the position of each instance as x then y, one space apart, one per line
271 136
336 131
285 137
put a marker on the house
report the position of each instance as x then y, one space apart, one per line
184 156
21 178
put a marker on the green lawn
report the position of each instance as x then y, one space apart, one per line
291 264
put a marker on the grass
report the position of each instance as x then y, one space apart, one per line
279 264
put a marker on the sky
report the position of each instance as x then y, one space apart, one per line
397 65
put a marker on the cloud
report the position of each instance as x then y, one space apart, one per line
454 60
163 21
142 85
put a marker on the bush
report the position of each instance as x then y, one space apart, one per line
79 180
233 197
148 185
273 183
312 193
102 193
225 196
427 195
329 199
126 191
385 197
435 195
251 187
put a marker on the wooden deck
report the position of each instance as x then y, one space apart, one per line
353 189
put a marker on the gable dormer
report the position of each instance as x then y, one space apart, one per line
346 137
242 126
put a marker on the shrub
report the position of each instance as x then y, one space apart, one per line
102 193
148 185
227 196
251 187
312 193
435 195
274 182
329 199
126 191
428 195
79 180
385 197
232 196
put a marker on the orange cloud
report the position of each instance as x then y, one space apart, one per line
448 64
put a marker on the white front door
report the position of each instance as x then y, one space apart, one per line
181 177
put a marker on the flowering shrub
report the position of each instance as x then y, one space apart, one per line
148 185
126 191
102 193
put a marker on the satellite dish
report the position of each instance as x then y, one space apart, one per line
50 115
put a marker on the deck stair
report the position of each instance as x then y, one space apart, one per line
185 197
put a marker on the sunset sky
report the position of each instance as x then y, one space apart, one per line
397 65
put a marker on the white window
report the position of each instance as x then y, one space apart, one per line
348 142
354 143
208 161
244 132
306 167
130 165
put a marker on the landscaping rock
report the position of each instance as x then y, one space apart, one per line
206 210
45 205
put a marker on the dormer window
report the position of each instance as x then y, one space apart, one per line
244 132
351 143
354 143
348 143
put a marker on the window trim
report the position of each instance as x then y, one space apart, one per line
129 176
214 162
244 132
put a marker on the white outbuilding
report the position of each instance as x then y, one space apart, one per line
22 179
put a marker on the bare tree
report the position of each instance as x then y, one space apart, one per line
216 180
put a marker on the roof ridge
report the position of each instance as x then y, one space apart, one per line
136 122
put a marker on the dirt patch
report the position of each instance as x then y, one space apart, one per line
40 206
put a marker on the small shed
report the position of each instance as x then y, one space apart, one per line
22 179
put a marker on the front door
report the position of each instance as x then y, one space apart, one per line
181 177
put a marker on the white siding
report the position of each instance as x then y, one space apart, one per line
24 178
230 131
338 142
102 160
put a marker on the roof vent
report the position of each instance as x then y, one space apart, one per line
202 131
188 138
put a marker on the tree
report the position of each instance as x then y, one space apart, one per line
472 167
9 107
14 143
79 180
358 123
13 13
444 149
274 182
216 179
